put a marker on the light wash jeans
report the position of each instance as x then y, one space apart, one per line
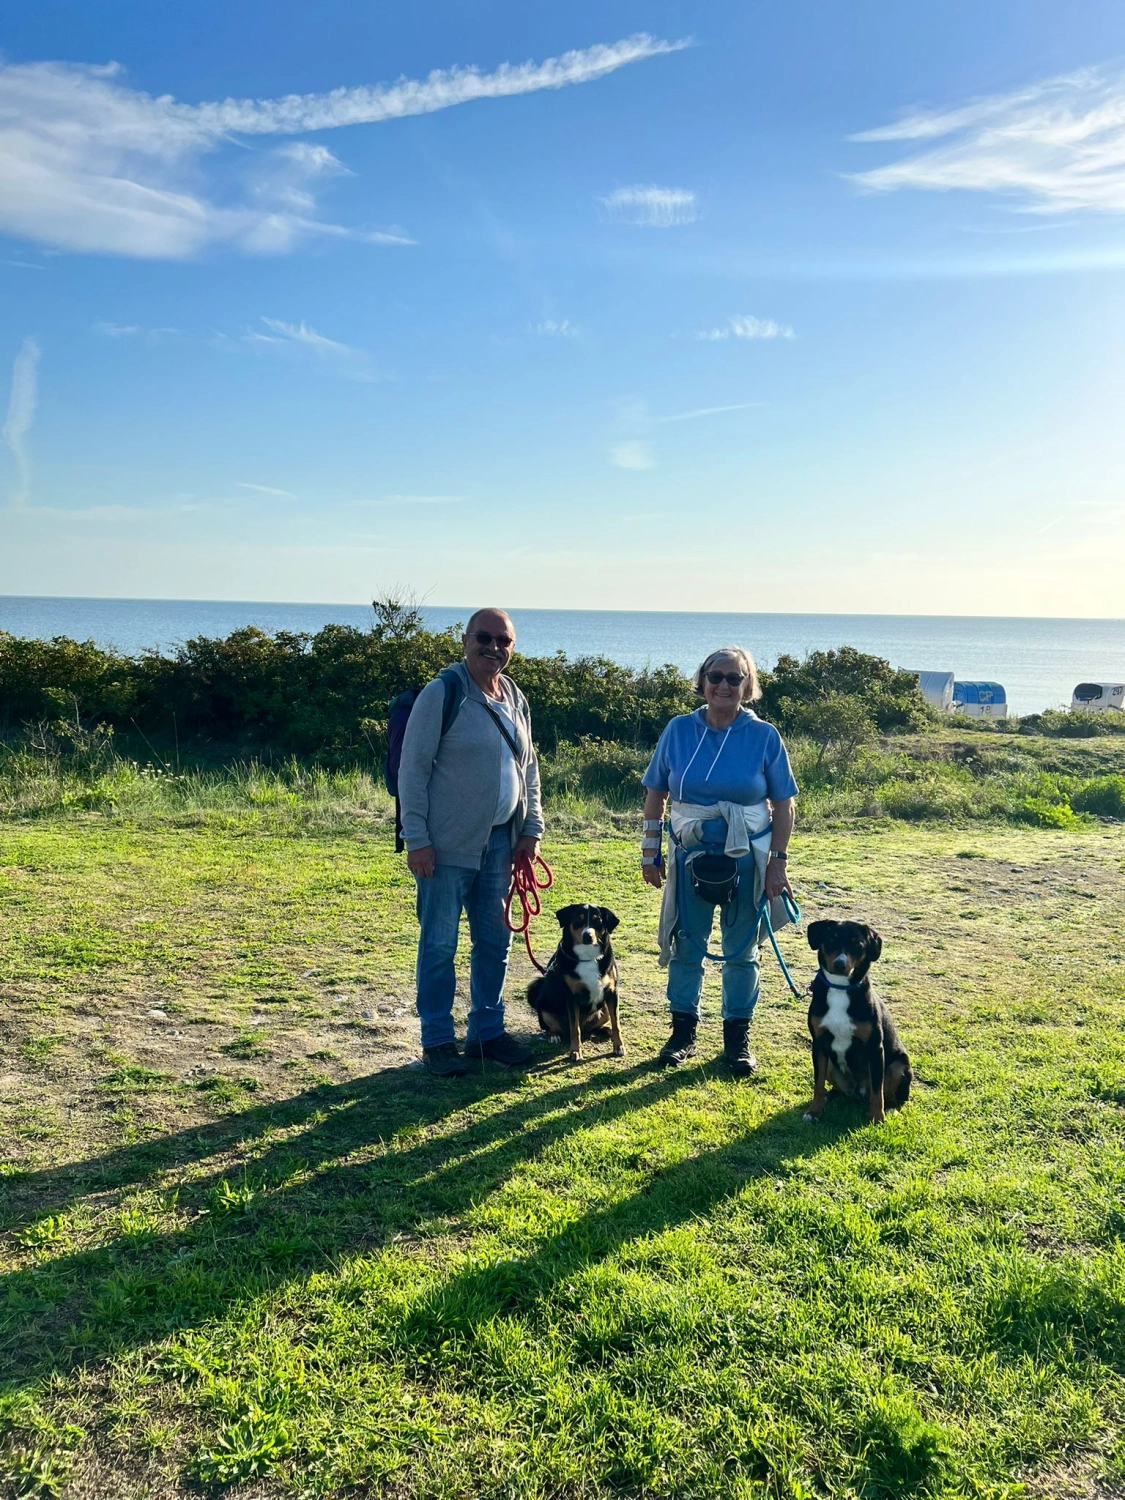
441 900
693 934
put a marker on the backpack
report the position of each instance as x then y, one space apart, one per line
397 717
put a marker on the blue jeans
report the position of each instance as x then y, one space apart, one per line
693 934
441 900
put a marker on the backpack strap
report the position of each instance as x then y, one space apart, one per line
454 697
513 743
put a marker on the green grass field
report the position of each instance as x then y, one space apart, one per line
248 1243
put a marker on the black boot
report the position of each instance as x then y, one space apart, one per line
681 1044
736 1049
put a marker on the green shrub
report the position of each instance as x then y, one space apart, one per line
837 727
1044 813
1079 725
1104 796
890 697
596 769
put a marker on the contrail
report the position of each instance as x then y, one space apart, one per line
21 414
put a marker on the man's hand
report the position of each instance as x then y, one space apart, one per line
776 879
420 862
653 875
528 845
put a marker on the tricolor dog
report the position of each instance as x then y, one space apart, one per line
854 1042
577 996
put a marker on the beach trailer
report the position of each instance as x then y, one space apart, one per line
936 688
1096 697
980 700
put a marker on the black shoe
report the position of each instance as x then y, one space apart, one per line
444 1061
502 1049
736 1049
681 1044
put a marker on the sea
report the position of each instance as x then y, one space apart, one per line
1038 662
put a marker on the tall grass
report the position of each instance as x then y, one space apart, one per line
587 785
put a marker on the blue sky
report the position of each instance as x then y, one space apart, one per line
641 306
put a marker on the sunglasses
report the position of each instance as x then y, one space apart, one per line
734 678
483 638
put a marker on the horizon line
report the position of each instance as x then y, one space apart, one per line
550 609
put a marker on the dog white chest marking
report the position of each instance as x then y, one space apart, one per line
588 956
839 1023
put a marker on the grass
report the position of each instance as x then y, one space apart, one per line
248 1244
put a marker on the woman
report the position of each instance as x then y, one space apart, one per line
732 793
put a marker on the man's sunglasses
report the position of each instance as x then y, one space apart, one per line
483 638
734 678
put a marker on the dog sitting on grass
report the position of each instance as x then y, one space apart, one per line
577 996
855 1046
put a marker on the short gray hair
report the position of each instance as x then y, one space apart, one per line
488 609
751 688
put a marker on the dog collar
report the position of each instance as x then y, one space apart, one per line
836 984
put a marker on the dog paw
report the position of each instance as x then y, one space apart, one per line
576 1057
618 1052
812 1119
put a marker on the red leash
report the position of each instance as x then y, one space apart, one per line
527 885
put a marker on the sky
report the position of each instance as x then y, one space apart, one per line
811 308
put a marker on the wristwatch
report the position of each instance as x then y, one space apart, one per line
779 854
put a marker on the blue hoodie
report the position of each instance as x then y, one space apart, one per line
746 762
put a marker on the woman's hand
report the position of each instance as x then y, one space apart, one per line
653 875
776 879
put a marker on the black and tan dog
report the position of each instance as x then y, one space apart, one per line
577 996
854 1042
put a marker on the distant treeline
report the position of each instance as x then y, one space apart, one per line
326 695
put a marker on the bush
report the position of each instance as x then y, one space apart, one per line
1104 796
890 697
596 769
1044 813
1079 725
837 727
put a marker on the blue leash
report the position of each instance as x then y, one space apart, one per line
793 911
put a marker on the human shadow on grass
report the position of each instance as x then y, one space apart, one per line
692 1188
335 1171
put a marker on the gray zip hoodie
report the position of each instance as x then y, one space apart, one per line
448 784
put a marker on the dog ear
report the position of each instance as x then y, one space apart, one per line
609 920
817 932
874 943
564 914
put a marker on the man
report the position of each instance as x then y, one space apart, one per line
470 801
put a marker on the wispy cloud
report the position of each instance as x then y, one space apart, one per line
552 328
748 328
133 331
651 207
22 403
89 164
1057 146
709 411
301 333
632 455
24 265
266 489
287 338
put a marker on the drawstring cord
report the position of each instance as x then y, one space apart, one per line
526 885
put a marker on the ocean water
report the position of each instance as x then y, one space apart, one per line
1038 661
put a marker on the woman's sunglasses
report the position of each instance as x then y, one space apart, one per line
483 638
734 678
